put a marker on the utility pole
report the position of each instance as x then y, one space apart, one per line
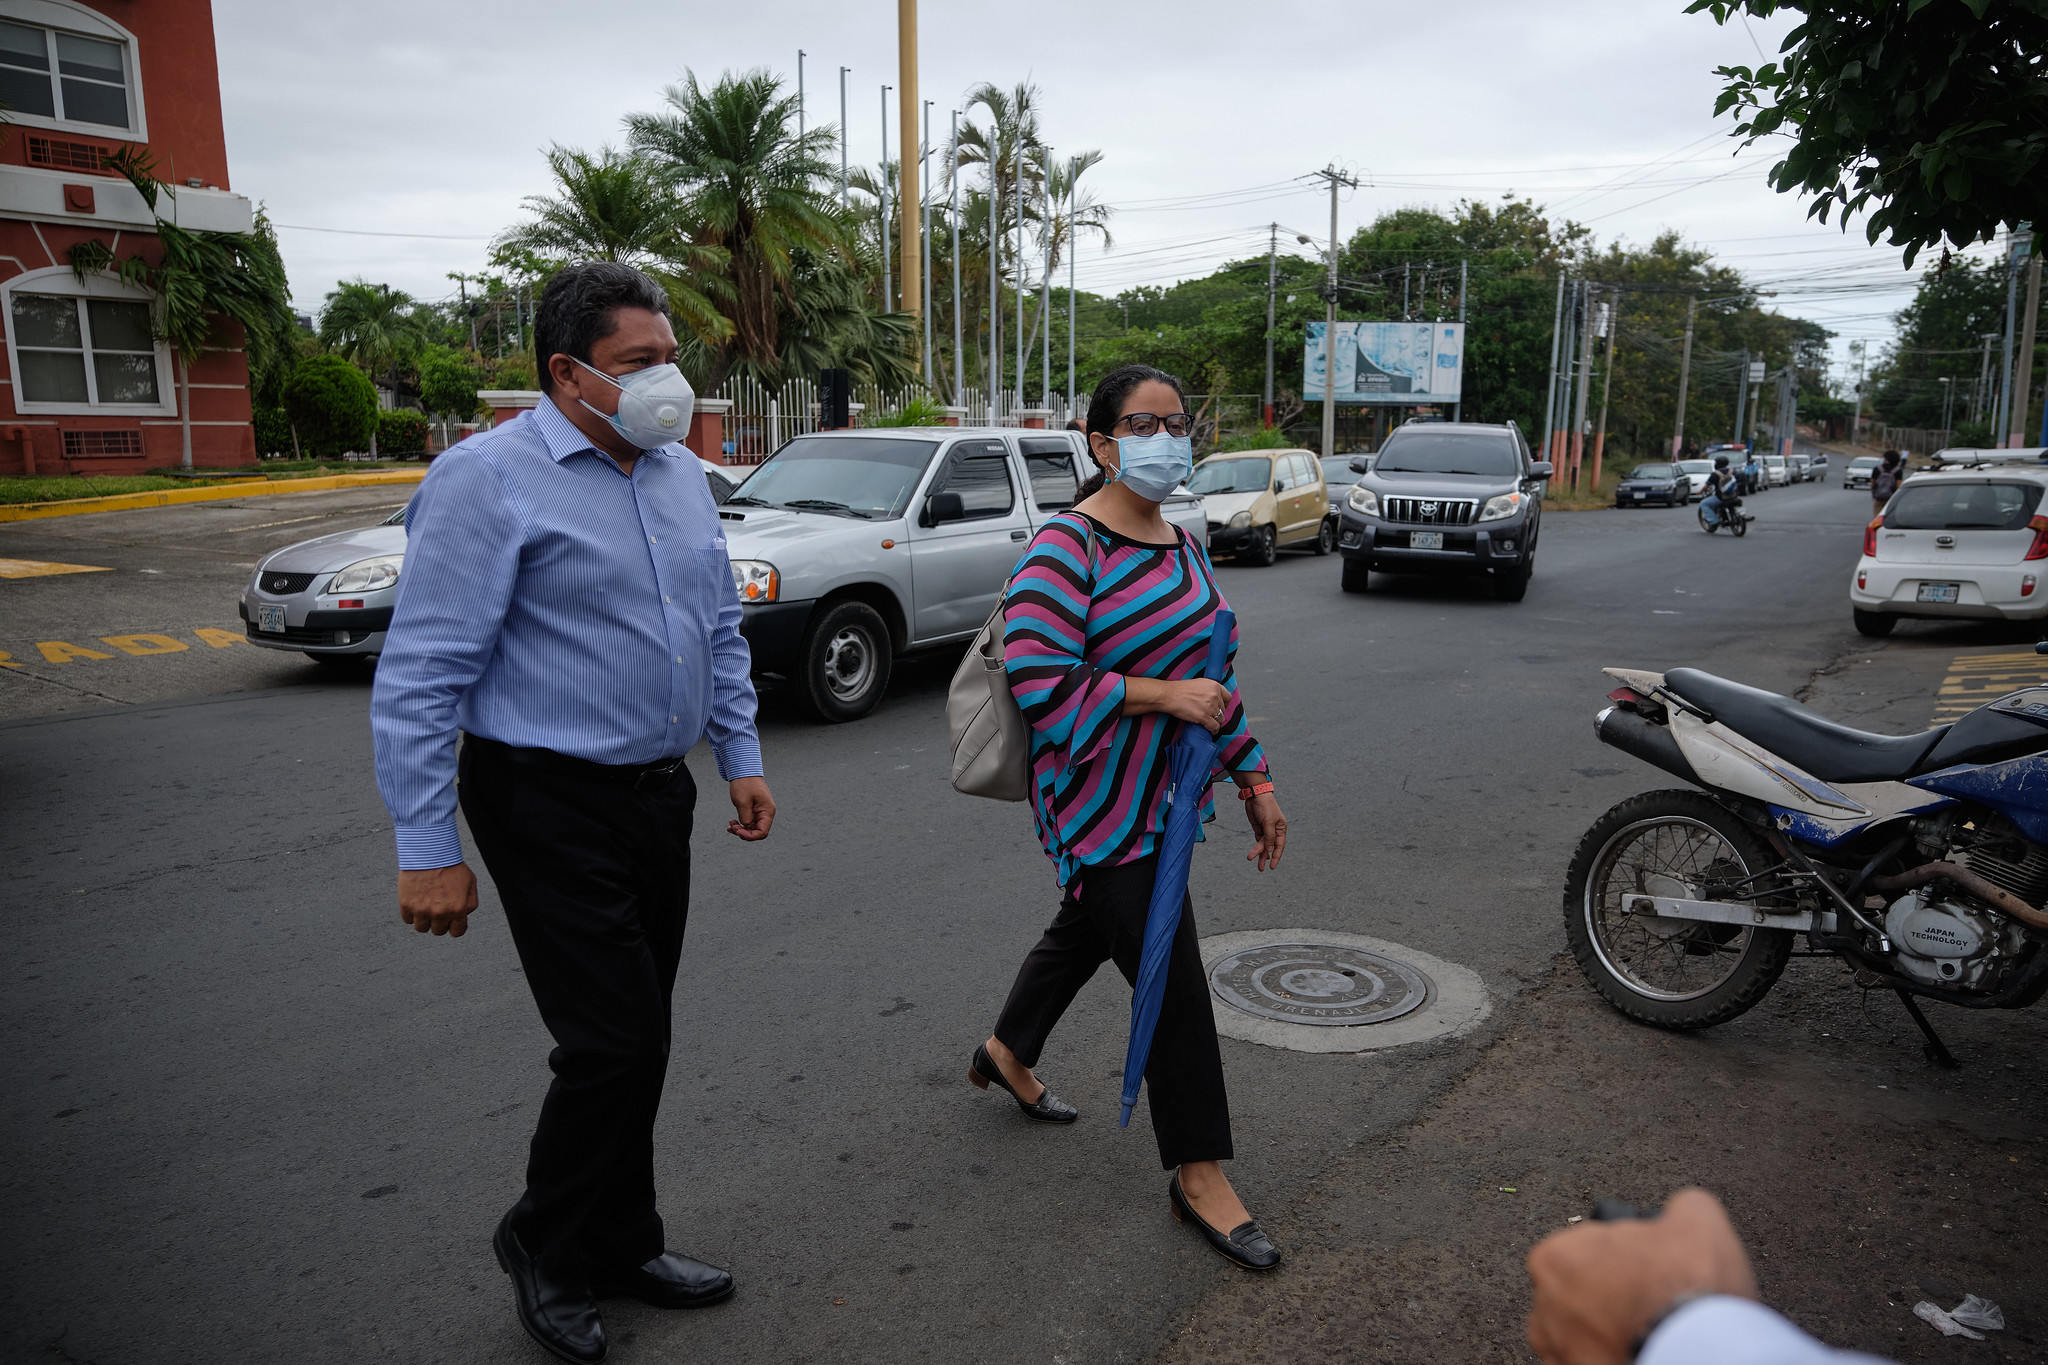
1613 320
1856 430
953 213
799 94
995 297
909 224
1073 250
1550 450
1981 396
1567 365
883 222
1585 383
2023 383
842 135
1458 408
1018 261
1692 307
1742 392
1272 284
924 239
1999 425
1336 178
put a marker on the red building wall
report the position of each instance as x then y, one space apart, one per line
174 56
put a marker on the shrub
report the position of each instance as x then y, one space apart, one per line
401 433
1261 438
332 405
448 383
273 432
920 411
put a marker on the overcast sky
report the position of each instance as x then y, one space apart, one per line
392 140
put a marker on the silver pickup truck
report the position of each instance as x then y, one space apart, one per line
852 548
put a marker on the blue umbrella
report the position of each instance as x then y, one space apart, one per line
1190 762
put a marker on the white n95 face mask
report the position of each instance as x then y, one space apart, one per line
654 404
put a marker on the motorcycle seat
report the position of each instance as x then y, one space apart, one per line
1830 752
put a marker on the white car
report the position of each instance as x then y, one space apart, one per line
1968 543
1699 471
1776 474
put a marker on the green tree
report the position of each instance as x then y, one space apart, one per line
1931 114
401 433
379 328
332 406
448 382
752 189
200 278
1941 335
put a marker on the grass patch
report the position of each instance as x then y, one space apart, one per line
18 489
1589 497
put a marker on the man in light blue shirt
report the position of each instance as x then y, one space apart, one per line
566 605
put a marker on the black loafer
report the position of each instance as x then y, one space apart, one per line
1247 1246
559 1315
1047 1108
667 1281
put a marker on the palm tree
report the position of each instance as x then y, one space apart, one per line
200 278
751 187
610 207
373 325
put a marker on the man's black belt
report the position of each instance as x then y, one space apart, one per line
641 777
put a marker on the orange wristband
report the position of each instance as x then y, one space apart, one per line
1256 789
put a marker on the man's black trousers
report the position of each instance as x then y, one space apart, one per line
595 880
1184 1073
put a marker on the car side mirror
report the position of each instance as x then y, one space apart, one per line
940 508
1278 485
1541 469
1361 464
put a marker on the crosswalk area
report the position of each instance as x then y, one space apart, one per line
1974 679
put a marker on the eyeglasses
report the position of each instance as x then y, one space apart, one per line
1177 424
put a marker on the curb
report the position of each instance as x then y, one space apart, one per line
256 487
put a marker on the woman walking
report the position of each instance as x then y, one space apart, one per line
1106 626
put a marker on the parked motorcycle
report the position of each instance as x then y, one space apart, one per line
1920 859
1732 516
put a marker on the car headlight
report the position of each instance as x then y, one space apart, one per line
367 575
755 580
1505 505
1363 501
1240 521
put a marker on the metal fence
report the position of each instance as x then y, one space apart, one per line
1917 440
760 422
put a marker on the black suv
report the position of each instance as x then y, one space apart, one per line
1446 498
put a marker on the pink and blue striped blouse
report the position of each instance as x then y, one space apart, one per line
1074 626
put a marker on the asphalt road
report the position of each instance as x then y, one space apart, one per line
247 1112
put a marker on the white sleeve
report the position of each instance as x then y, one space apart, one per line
1722 1330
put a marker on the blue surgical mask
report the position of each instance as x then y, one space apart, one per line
1153 466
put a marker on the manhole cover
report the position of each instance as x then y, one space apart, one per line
1319 983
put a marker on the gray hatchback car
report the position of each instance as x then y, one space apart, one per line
1447 498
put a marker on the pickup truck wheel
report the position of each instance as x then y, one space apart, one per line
1357 575
1326 536
846 662
1264 548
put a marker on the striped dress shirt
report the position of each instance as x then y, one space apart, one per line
549 601
1075 625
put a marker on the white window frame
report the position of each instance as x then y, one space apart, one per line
74 17
59 281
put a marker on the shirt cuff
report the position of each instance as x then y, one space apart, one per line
738 758
423 847
1721 1329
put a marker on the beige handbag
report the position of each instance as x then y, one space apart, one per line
991 739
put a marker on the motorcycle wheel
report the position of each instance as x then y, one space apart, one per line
1674 973
1739 526
1708 526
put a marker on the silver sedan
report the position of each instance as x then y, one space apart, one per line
331 597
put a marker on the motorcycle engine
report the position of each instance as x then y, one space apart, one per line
1945 942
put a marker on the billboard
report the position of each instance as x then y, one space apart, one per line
1392 363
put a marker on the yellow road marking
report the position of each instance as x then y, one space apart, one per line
1974 679
254 488
141 645
59 652
145 644
219 639
44 568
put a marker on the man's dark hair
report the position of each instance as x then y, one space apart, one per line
580 308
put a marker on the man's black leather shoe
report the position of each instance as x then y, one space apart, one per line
560 1316
668 1281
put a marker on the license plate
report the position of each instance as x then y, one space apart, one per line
1939 592
270 618
1639 496
1425 540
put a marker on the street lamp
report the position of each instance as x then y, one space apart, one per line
1948 393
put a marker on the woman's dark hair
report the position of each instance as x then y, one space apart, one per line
1106 405
580 307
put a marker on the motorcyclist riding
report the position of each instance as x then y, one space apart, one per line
1720 483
